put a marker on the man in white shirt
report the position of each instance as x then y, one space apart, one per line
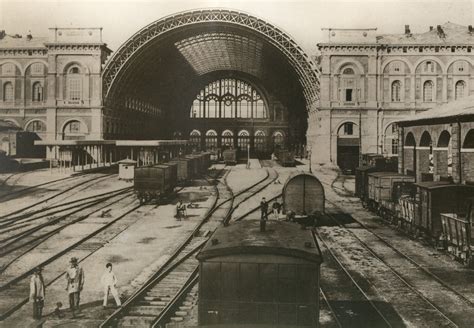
109 282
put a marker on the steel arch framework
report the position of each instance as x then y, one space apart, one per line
305 69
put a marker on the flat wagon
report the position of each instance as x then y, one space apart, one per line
269 278
457 234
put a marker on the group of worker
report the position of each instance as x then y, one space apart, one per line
276 209
74 285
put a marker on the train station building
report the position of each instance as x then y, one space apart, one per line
222 78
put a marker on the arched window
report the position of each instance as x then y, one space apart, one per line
195 137
391 140
8 92
396 89
36 126
227 139
278 139
459 91
228 98
348 71
74 84
348 129
37 69
211 139
37 94
74 130
259 141
428 91
243 140
8 69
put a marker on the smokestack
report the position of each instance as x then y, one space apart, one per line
431 28
407 29
440 31
470 29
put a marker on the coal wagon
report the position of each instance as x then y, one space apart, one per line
154 182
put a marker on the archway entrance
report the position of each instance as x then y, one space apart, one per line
213 70
348 146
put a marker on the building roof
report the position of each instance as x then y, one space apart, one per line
458 108
451 34
13 42
245 237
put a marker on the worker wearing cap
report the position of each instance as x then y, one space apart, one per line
75 283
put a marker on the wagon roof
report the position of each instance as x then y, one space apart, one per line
295 174
280 238
441 184
385 173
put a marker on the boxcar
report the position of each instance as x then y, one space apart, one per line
435 198
184 167
230 156
154 182
285 157
194 163
303 196
268 278
381 188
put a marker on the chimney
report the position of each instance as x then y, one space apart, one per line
431 28
470 29
29 37
407 29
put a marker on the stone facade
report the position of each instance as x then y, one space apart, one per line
370 81
52 86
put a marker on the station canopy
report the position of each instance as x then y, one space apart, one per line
168 62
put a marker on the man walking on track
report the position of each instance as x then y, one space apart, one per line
263 209
37 293
109 282
75 283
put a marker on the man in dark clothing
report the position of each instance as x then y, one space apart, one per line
263 209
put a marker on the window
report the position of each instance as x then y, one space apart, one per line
8 94
37 92
348 71
211 139
243 140
459 90
73 127
8 69
428 91
395 146
74 84
348 95
37 69
228 98
227 139
396 89
36 126
429 67
348 129
259 141
278 139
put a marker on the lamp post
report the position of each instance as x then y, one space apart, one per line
248 156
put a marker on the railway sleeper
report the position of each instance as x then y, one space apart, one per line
146 310
134 321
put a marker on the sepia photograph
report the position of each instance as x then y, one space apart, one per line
236 163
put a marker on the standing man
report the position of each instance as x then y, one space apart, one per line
109 282
75 283
263 214
37 293
276 210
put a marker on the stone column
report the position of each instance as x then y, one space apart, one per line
455 146
422 162
440 161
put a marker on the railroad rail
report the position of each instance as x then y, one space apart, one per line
56 195
447 291
16 288
157 308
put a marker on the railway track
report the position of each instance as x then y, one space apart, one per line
15 288
56 197
159 300
432 296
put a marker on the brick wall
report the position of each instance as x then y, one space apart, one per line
467 160
440 159
422 162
